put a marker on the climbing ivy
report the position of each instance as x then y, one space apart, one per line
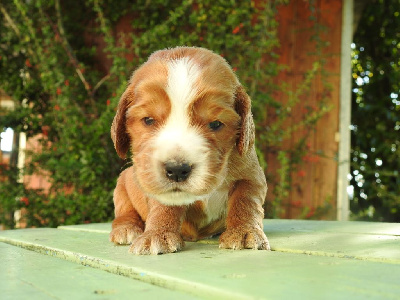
52 57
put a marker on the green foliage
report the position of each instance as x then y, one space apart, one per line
10 194
376 113
60 95
52 69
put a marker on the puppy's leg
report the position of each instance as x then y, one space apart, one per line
244 227
127 224
162 233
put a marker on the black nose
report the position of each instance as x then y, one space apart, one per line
177 172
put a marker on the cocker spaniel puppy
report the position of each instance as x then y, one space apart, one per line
187 121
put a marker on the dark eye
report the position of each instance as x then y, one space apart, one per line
148 121
215 125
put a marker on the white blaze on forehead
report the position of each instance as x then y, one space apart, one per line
182 76
181 90
178 139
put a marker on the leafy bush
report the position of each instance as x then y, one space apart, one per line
66 89
376 114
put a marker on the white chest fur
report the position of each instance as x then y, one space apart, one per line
215 206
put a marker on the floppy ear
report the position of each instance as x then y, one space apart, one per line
119 134
246 130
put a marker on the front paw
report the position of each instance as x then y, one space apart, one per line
157 242
125 234
244 238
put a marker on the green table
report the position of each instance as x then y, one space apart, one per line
309 260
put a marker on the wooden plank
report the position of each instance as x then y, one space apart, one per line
286 34
273 226
95 227
303 180
326 142
27 274
375 241
314 184
354 227
205 271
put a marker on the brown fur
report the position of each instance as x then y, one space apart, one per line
152 227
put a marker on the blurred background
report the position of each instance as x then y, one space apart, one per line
323 75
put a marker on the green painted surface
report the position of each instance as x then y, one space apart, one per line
312 260
286 226
98 227
360 240
25 274
332 226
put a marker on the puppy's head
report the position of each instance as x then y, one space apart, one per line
182 115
